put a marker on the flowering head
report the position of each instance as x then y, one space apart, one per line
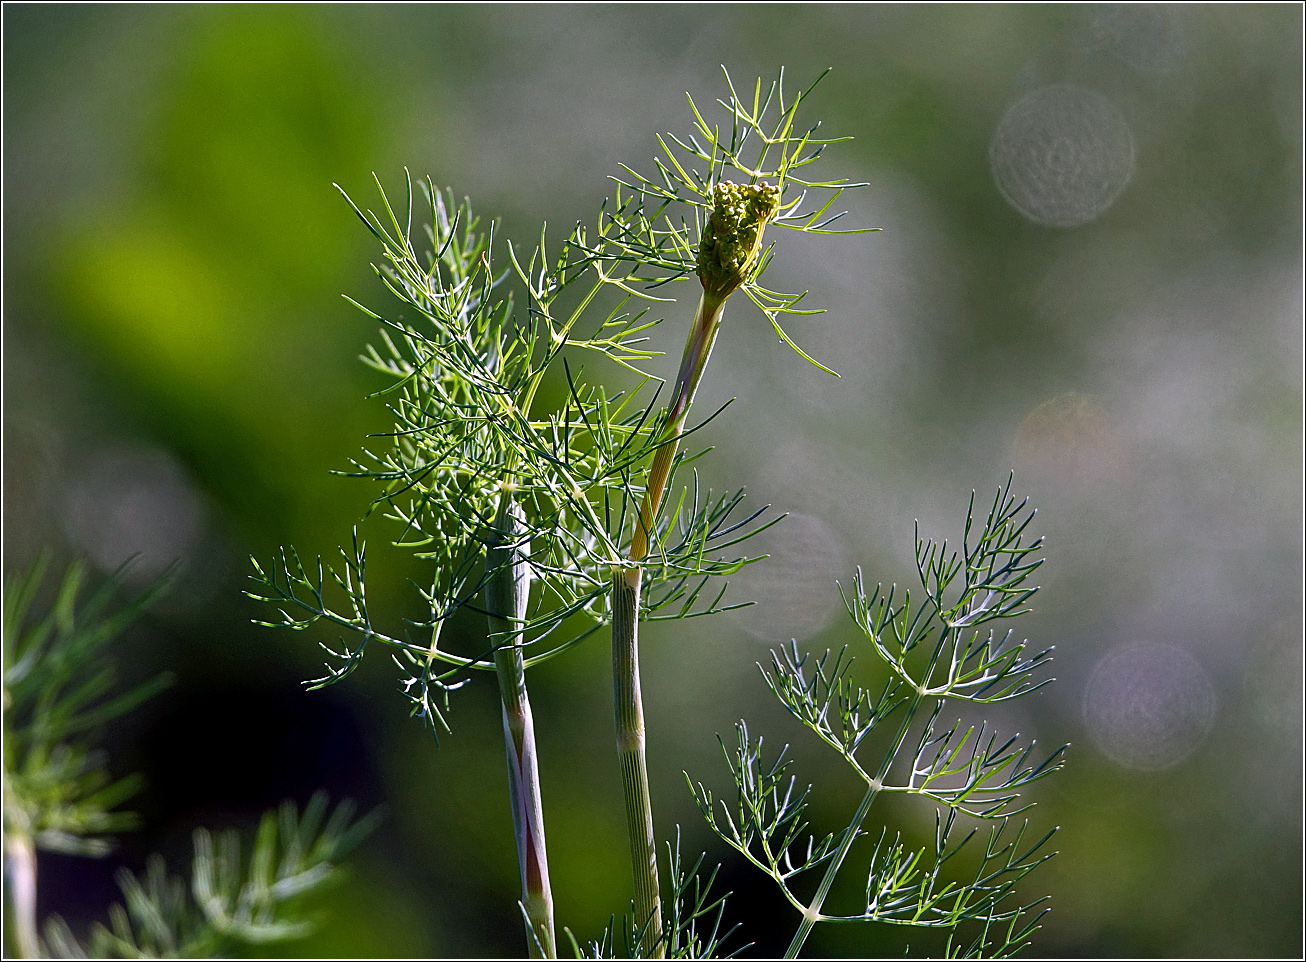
732 240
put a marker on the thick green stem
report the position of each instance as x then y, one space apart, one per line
629 710
727 253
628 704
20 867
506 596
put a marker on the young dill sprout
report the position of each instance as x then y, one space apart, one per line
727 253
732 243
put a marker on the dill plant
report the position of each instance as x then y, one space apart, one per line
554 522
518 514
693 220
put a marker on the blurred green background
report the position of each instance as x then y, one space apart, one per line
1125 332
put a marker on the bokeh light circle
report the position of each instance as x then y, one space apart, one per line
1061 155
794 587
1148 706
138 507
1069 439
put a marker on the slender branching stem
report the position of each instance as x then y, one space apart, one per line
507 593
20 866
873 788
813 913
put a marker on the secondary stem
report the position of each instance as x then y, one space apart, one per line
813 913
506 594
814 909
698 350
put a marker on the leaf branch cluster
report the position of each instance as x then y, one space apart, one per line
935 653
766 824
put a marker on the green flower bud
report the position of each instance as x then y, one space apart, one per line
732 240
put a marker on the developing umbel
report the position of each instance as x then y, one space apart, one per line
733 238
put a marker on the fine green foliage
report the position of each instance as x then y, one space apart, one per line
229 900
555 522
58 692
506 504
466 365
935 652
658 224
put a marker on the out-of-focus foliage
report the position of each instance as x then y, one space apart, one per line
59 692
228 902
179 380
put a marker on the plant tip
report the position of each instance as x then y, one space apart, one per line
732 239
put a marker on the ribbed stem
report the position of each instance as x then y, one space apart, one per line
629 710
506 596
727 253
20 866
628 704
